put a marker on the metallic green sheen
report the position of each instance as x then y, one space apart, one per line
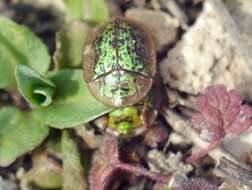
119 62
118 85
117 47
105 52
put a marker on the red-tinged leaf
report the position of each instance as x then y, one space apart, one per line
212 116
221 112
202 152
230 116
235 98
233 109
199 122
212 134
223 97
212 96
201 103
242 122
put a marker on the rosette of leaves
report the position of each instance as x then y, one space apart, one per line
50 98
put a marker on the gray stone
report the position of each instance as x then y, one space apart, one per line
241 12
212 51
163 26
7 184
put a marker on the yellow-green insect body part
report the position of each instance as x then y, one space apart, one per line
119 62
125 120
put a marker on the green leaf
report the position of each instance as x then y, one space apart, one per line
69 42
35 88
19 134
73 172
73 104
19 45
91 10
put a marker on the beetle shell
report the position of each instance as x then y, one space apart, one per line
119 62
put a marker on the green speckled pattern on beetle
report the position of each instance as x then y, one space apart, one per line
122 62
119 46
125 86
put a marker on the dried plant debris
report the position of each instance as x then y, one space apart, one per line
234 173
183 183
178 140
106 165
170 164
90 139
228 186
155 135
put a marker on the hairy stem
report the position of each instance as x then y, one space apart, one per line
202 152
141 171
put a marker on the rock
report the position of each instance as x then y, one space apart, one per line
239 146
163 26
212 51
6 184
241 12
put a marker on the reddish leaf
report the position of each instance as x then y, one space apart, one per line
242 121
221 112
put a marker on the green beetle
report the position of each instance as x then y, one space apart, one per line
119 62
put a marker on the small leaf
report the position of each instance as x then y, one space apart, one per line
73 104
69 42
96 11
221 112
35 88
73 172
90 10
19 45
46 172
19 134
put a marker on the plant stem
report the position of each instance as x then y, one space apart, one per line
203 152
141 171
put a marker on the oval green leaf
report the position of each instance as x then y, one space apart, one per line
69 43
35 88
19 134
73 172
19 45
95 11
73 104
